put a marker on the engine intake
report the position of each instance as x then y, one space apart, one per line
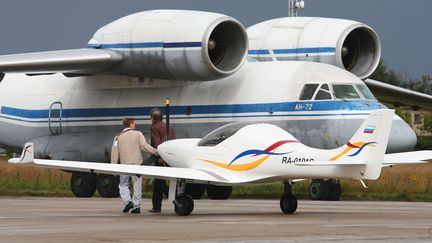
347 44
360 52
175 44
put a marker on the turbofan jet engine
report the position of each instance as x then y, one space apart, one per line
347 44
175 44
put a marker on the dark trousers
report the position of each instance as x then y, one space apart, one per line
160 188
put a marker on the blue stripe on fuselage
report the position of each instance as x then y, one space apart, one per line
146 45
294 51
303 106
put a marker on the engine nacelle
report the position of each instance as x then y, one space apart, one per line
347 44
175 44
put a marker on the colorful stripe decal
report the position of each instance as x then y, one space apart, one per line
350 146
255 152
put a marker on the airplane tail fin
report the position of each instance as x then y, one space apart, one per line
369 143
27 155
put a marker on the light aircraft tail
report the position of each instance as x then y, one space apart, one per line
27 155
369 143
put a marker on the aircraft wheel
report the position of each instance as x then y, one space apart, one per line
196 191
183 205
107 185
219 192
335 190
288 203
318 190
83 184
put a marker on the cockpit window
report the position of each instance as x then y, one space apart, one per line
367 94
219 135
345 91
325 87
308 91
323 93
2 75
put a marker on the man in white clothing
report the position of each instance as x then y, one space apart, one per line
127 149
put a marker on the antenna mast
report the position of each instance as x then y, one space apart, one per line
294 6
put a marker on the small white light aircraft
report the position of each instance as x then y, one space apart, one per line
242 153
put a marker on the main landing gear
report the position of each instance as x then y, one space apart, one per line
184 204
288 202
330 190
196 191
84 184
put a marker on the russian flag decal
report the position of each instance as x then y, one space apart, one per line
369 129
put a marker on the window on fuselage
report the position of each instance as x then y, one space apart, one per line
308 91
367 94
323 93
221 134
345 91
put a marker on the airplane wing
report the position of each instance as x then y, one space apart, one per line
405 158
399 96
116 169
414 157
82 61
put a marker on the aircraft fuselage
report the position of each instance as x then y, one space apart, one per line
77 118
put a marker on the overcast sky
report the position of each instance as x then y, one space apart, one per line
404 26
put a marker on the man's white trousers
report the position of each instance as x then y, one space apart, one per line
137 190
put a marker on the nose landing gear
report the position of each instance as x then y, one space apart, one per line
288 202
183 203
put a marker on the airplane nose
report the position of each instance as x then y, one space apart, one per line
166 150
402 137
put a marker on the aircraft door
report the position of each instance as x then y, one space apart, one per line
55 118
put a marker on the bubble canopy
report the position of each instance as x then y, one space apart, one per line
221 134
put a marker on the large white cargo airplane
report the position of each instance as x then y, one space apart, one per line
241 153
70 103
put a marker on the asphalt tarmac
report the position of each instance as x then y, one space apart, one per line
36 219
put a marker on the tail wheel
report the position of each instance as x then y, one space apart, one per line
183 205
288 203
196 191
83 184
219 192
335 190
318 190
107 185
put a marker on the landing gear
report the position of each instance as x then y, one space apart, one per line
183 203
107 185
83 184
318 190
288 202
330 190
196 191
335 190
219 192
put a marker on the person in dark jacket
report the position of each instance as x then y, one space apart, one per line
158 136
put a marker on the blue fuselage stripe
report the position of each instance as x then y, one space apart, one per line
147 45
294 51
259 52
209 110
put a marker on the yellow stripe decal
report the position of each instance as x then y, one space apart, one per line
243 167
